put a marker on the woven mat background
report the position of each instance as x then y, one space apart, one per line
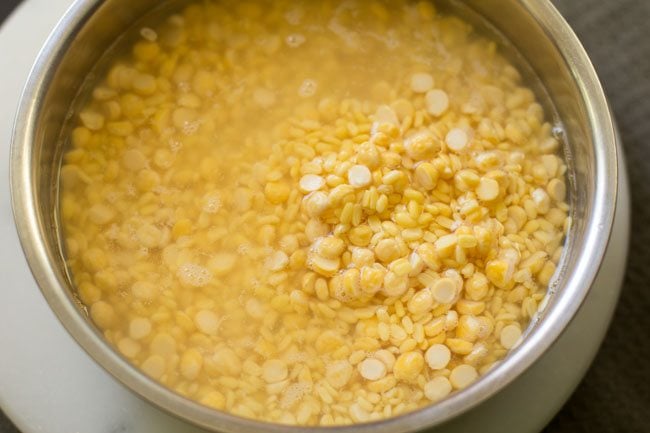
614 397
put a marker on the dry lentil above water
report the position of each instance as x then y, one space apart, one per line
313 213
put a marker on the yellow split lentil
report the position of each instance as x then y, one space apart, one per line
313 213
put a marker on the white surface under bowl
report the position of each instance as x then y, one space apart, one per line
49 384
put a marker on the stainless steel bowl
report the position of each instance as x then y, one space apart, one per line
534 27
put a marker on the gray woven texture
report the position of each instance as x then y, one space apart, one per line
614 397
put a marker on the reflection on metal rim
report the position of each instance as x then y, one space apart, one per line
534 27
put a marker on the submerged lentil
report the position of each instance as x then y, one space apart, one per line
313 212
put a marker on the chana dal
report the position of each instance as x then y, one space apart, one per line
313 213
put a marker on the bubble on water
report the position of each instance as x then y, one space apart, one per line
193 275
308 88
131 190
294 393
558 131
212 202
243 249
149 34
175 145
295 40
190 128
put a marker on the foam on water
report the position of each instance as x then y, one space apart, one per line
194 275
294 393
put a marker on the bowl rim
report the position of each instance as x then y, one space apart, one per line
25 211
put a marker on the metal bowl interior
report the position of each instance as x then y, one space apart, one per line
533 27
